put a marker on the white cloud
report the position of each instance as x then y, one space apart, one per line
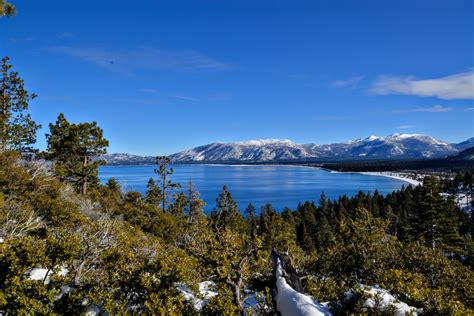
351 83
144 58
432 109
457 86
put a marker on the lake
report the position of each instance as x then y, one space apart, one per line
280 185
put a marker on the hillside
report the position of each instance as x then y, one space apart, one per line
114 252
461 161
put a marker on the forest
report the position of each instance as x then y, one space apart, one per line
71 245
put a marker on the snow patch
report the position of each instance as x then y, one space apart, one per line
292 303
393 175
205 291
263 142
383 300
40 274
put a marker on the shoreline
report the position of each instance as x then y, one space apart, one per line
392 175
395 176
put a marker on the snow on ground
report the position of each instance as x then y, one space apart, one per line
383 300
40 274
394 175
292 303
92 310
205 291
462 200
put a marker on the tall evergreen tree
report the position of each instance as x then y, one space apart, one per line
252 220
75 150
226 214
17 129
164 172
436 220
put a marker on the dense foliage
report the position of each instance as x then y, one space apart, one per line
65 249
122 252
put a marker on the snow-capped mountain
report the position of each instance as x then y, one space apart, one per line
468 143
254 150
395 146
374 147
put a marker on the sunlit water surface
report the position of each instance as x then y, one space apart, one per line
259 184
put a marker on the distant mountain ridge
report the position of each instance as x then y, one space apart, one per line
128 159
395 146
468 143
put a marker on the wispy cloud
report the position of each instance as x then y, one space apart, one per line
65 35
133 101
331 118
185 97
19 40
432 109
297 76
219 97
148 90
56 98
457 86
468 109
350 83
129 61
406 126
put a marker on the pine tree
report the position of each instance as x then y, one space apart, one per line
164 174
287 215
153 192
113 185
179 204
75 150
226 214
436 220
7 9
323 203
252 220
195 210
17 129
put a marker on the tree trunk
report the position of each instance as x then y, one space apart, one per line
4 118
164 192
84 180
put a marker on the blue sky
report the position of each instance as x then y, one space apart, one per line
163 76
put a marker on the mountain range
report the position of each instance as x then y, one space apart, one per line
395 146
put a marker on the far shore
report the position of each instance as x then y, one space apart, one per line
394 175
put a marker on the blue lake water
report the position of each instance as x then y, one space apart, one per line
276 184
